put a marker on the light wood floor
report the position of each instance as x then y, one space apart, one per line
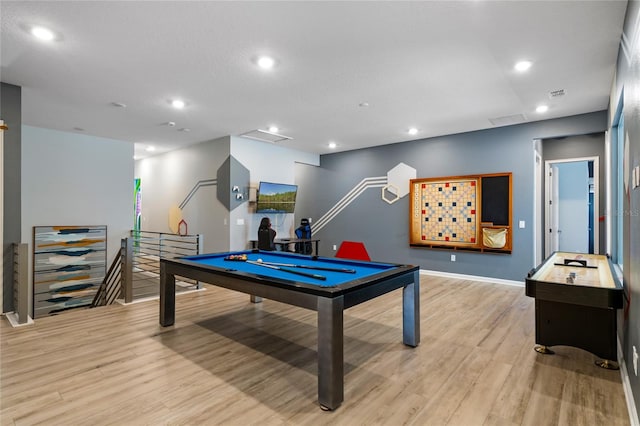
227 361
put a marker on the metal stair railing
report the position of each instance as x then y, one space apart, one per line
146 250
111 287
135 271
22 294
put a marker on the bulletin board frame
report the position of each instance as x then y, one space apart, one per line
471 212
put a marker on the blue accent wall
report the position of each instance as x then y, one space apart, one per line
384 228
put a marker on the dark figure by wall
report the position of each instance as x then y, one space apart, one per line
266 235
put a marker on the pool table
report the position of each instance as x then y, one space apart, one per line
339 290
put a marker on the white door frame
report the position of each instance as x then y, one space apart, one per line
548 217
538 254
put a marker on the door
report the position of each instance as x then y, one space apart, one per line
573 206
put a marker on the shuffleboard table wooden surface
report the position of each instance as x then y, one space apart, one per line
577 296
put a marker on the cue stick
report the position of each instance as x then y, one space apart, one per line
320 268
291 271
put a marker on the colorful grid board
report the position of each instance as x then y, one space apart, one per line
445 212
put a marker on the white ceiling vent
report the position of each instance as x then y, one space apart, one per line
507 120
557 93
265 136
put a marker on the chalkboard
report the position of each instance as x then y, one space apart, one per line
495 200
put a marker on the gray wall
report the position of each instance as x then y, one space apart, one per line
225 222
574 147
271 163
384 227
11 113
168 179
76 179
626 87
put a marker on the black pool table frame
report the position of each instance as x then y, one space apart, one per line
329 302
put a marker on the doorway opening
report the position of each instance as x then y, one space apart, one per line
572 205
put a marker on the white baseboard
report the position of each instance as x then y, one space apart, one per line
472 278
626 385
12 317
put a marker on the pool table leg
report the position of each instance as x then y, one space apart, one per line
330 352
411 312
167 297
255 299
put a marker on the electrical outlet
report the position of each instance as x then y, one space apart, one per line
635 361
453 257
334 247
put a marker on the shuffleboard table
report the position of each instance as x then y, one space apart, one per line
577 296
326 285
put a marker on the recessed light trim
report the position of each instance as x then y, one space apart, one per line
540 109
178 103
42 33
266 62
523 65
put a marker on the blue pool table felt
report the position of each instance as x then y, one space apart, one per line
362 269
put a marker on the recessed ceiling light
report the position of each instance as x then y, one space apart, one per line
412 131
273 129
118 104
266 62
78 129
150 148
43 33
184 129
332 145
523 65
177 103
363 104
542 108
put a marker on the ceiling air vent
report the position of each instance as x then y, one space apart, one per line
556 93
265 136
507 120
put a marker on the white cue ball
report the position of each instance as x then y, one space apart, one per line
259 260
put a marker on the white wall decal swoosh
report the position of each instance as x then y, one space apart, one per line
363 185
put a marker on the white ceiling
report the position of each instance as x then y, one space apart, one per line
443 67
